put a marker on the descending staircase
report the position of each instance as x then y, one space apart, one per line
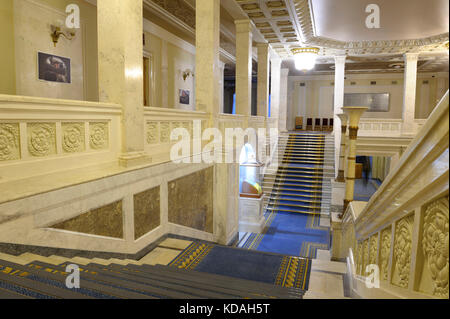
33 276
300 183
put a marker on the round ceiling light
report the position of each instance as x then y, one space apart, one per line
305 58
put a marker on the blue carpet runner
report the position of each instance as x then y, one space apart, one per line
285 271
293 211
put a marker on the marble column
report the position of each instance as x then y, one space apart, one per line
283 106
354 114
243 67
221 86
409 93
441 88
263 79
208 78
120 71
339 80
164 75
275 87
207 56
343 119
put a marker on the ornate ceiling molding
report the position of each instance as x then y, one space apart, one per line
333 47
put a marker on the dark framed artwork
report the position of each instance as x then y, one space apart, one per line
184 97
377 102
53 68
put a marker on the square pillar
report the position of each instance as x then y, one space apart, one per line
409 93
120 66
207 63
221 85
275 87
263 79
339 87
283 106
243 67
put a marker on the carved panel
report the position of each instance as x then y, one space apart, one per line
73 140
164 132
152 133
373 249
402 251
385 250
41 139
360 258
365 257
188 127
99 135
435 246
9 141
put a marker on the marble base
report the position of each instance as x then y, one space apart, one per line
337 193
251 218
134 159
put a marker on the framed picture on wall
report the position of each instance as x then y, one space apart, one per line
184 97
53 68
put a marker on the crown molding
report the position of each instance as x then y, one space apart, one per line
334 47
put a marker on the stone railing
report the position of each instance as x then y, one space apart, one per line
403 229
159 123
380 127
385 127
39 135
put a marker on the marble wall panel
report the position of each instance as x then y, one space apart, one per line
104 221
147 214
190 208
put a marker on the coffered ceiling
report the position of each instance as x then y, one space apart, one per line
337 27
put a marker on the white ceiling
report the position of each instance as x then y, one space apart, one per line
344 20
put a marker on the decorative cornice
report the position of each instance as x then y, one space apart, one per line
305 19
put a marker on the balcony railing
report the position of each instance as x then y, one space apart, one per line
403 229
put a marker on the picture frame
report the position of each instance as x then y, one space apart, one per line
184 96
54 68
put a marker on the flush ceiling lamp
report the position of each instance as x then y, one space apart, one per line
305 58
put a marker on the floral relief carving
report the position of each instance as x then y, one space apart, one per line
187 126
9 142
164 133
73 137
152 133
41 139
365 257
385 250
402 250
373 249
99 135
435 245
359 258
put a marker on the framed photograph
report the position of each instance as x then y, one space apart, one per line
184 97
53 68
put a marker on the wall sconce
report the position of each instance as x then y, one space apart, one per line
187 73
57 33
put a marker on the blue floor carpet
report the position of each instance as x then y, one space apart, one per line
274 269
292 219
290 234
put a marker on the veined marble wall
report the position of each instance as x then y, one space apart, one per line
104 221
190 208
